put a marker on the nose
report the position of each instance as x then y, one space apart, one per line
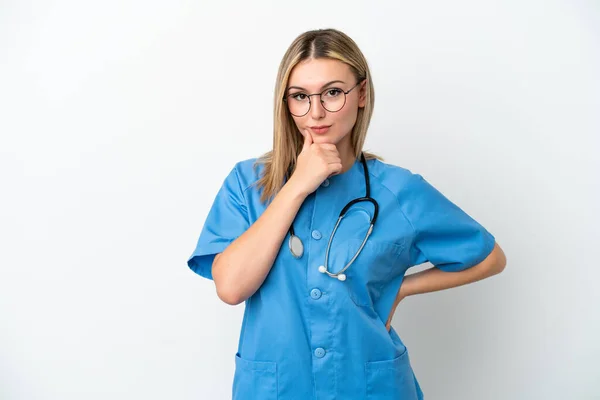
317 111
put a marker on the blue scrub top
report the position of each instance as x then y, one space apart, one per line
308 336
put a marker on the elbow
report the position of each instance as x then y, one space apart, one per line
498 260
229 296
227 292
498 268
502 265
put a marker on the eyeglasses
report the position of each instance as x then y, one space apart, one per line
333 99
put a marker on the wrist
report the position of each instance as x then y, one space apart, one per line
292 187
404 288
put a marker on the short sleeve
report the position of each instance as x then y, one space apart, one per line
226 221
445 235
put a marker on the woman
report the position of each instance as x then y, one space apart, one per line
318 307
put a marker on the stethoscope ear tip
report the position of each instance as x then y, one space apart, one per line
340 277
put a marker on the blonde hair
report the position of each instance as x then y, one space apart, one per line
287 140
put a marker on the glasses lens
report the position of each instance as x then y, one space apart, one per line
333 99
298 104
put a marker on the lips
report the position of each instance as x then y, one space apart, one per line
320 129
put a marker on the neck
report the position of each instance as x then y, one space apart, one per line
346 154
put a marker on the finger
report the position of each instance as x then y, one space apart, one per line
328 146
337 168
330 152
307 140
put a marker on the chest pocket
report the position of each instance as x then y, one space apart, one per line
371 269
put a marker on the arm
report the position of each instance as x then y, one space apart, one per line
434 279
240 269
243 266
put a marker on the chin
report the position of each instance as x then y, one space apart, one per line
326 139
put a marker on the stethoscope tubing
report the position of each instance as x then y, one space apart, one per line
297 248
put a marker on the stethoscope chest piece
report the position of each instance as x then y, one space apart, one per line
296 246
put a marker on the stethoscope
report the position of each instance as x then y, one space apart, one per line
297 248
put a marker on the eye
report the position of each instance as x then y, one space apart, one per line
333 92
299 96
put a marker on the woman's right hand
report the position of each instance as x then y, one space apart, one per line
316 162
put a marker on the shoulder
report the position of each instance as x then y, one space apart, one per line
394 178
247 172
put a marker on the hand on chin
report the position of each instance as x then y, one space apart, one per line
324 139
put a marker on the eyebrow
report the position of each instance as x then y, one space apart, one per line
322 87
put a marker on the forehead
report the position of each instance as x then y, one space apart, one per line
313 73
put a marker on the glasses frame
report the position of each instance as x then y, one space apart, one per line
285 98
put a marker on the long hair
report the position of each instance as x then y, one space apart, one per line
287 140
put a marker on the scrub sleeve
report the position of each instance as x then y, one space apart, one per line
445 235
226 221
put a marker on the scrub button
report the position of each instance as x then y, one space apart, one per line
316 234
325 183
319 352
315 294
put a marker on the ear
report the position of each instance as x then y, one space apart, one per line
362 94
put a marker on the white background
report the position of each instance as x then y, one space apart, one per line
119 122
